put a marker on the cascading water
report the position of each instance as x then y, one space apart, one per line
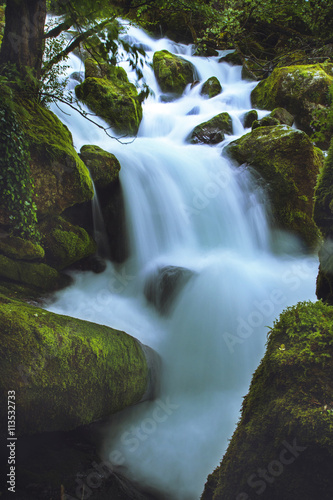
188 207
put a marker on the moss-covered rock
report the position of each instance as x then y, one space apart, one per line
38 275
103 166
65 243
323 216
283 445
266 121
211 87
18 248
172 72
289 163
284 117
65 372
232 58
212 131
302 90
114 99
61 179
249 118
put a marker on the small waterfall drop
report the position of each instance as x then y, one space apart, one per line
188 208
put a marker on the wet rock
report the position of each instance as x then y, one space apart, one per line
211 87
173 73
212 131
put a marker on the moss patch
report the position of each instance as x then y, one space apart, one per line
65 243
289 163
66 372
290 402
172 72
18 248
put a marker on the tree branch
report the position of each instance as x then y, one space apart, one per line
54 32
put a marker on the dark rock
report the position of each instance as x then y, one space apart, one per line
249 118
211 87
212 131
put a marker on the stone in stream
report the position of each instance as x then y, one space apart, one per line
163 285
213 130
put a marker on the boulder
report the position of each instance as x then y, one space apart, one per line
283 444
232 58
163 285
173 73
64 243
211 87
114 99
249 118
279 116
289 163
323 216
304 91
20 249
66 372
103 166
212 131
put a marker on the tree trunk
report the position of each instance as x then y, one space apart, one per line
22 42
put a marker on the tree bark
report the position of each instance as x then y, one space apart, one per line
23 42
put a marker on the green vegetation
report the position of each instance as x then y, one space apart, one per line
290 398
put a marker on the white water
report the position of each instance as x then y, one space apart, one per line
188 206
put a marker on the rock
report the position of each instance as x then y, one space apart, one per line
283 444
279 116
173 73
61 179
20 249
211 87
249 118
267 121
232 58
65 372
163 285
289 163
212 131
38 275
113 210
103 166
65 243
114 99
323 216
303 91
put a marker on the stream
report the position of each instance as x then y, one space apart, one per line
188 208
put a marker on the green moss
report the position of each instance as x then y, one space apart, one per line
172 72
38 275
103 166
114 99
302 90
65 372
211 87
212 131
290 398
289 163
18 248
65 243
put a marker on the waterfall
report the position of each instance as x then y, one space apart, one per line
196 220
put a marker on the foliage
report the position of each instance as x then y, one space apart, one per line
16 184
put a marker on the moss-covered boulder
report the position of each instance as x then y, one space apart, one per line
212 131
323 216
211 87
283 445
232 58
249 117
289 163
65 372
61 179
114 99
103 166
38 275
173 73
65 243
266 121
303 90
19 248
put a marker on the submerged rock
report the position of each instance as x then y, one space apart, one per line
283 445
114 99
173 73
303 91
289 163
212 131
211 87
66 372
163 285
